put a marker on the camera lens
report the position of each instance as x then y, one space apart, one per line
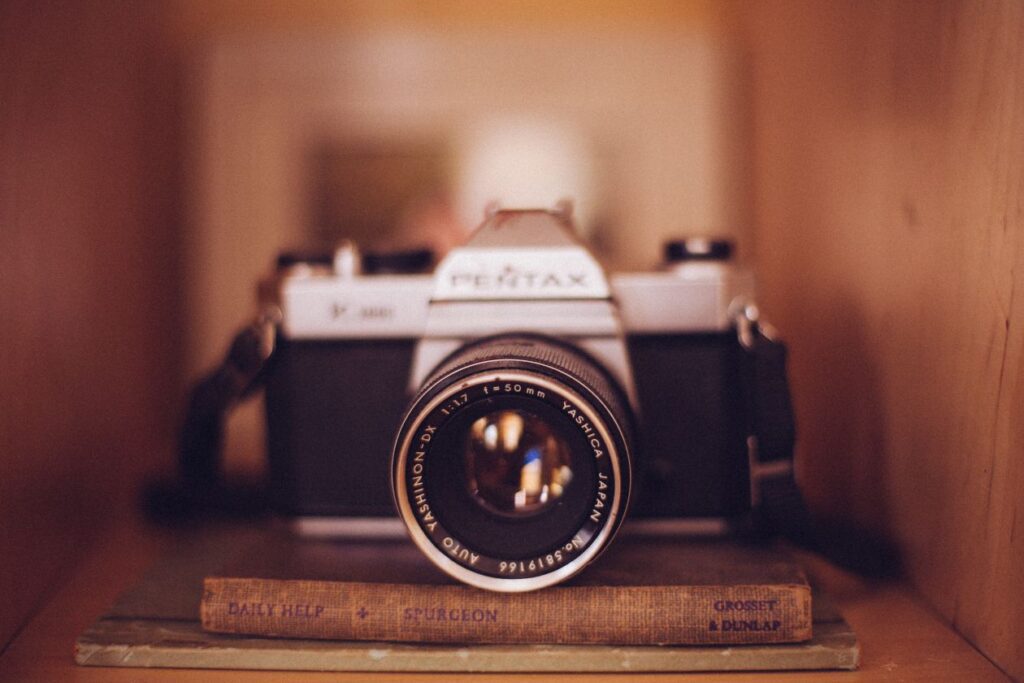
512 467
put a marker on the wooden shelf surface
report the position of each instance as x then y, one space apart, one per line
902 639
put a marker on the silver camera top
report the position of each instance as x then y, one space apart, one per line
516 255
521 271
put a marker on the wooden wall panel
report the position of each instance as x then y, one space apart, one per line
88 266
890 240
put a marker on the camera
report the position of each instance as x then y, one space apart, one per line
517 404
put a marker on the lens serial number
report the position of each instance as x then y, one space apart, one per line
530 566
543 562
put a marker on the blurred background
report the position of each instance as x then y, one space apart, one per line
866 157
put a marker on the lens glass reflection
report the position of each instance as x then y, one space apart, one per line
515 463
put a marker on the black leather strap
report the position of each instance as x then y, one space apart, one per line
778 506
200 489
768 398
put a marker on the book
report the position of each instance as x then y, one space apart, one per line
641 592
155 624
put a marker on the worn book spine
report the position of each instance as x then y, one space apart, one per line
609 615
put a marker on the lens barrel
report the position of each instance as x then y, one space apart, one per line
512 468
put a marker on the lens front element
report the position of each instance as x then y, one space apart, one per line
515 463
511 469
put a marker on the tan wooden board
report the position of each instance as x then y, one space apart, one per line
887 165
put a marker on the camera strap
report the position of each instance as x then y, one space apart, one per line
200 488
778 506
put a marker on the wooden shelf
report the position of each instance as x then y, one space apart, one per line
902 639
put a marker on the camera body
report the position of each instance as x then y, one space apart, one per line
352 348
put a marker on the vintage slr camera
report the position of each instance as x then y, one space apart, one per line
548 400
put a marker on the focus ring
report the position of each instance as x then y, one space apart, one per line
546 353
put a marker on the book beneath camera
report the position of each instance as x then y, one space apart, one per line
641 592
157 622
